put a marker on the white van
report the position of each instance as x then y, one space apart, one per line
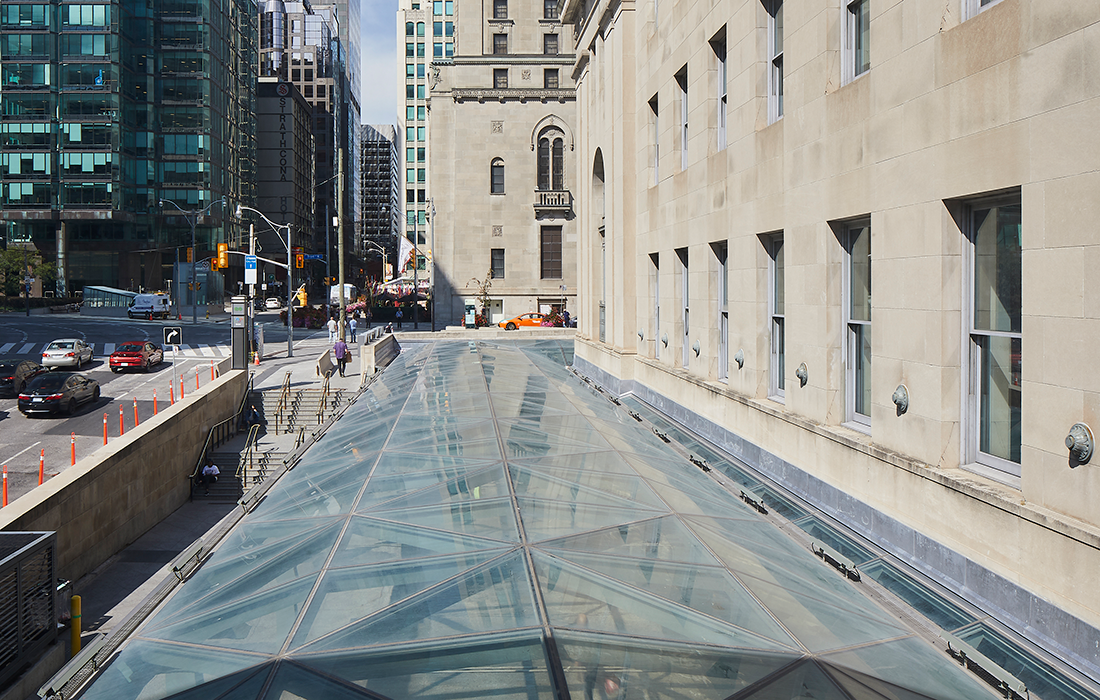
146 305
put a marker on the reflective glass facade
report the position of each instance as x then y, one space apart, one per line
481 523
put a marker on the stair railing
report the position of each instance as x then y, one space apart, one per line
284 396
221 432
323 401
245 464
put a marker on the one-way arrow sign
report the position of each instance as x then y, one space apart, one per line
173 335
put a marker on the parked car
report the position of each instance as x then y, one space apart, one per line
273 303
15 372
523 320
58 392
139 354
149 305
67 352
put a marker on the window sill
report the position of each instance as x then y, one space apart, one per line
993 474
857 426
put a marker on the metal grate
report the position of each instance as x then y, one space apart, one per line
27 599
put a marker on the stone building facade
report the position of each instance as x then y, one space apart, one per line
501 162
749 171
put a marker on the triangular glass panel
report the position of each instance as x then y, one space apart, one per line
494 597
385 488
605 666
534 404
602 462
293 682
495 518
257 623
237 571
675 473
580 599
325 469
476 449
861 687
661 539
546 519
909 663
484 484
717 502
397 464
245 685
575 429
583 487
414 430
307 502
804 681
468 405
347 595
370 541
710 590
151 669
639 443
509 666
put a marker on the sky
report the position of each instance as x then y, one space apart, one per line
378 79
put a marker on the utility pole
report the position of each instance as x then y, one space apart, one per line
416 266
431 220
26 279
340 243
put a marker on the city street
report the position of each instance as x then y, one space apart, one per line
23 438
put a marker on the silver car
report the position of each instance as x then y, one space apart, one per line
67 352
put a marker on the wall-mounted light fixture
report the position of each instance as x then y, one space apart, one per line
664 339
641 334
1079 442
901 398
739 358
696 348
802 374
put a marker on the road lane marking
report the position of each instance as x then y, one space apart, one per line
9 459
6 347
108 349
206 351
26 348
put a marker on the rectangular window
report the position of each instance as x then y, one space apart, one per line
420 91
410 113
500 9
410 70
421 113
656 140
775 60
718 44
409 50
550 79
550 252
496 177
995 332
973 7
550 44
685 299
682 83
409 133
722 287
449 49
410 196
421 133
448 7
856 39
437 49
449 28
655 286
500 44
410 154
420 50
410 91
496 263
777 367
500 78
421 174
857 320
420 154
549 9
410 175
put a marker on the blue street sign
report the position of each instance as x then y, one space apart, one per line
315 257
250 262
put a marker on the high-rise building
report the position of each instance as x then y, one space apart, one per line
380 203
829 236
502 149
116 116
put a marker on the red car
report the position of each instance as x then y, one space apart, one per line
139 354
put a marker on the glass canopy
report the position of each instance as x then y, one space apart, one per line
482 524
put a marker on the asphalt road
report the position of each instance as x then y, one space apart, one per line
23 438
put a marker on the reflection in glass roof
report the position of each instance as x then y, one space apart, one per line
482 524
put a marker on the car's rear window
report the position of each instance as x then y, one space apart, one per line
50 382
129 347
60 346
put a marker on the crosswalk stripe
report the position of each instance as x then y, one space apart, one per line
25 349
205 350
6 347
108 349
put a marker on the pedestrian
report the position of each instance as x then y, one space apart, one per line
209 475
398 316
340 350
331 330
252 416
352 325
370 318
565 318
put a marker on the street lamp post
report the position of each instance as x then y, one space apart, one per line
289 271
192 216
381 250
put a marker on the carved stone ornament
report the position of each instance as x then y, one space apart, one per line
525 74
498 231
497 127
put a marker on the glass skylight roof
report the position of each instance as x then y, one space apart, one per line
482 524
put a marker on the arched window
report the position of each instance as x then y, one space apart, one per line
496 177
408 28
420 29
551 160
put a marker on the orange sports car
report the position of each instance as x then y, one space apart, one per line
529 320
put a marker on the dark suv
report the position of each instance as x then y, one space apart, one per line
15 373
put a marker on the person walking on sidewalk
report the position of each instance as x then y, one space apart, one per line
398 315
331 329
340 350
352 325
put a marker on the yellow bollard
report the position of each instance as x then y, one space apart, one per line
74 625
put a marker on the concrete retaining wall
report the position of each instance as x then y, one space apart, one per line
377 355
112 496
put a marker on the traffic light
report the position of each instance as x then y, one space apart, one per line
223 255
190 254
213 262
300 261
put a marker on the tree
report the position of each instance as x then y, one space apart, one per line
12 269
483 299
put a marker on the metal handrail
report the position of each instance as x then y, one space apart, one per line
284 395
325 392
222 431
244 465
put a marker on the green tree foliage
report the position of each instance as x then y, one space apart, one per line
12 270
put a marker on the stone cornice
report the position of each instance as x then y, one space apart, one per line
561 59
513 94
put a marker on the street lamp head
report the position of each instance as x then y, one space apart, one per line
239 211
160 203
